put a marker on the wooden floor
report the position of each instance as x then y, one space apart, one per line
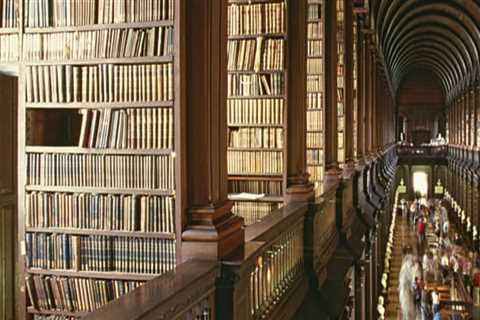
403 235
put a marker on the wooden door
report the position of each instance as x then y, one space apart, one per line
8 186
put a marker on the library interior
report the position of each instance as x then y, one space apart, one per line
239 159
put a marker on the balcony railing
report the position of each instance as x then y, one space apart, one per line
267 279
423 151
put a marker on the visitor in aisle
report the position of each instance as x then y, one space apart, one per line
425 304
428 267
445 265
435 302
421 226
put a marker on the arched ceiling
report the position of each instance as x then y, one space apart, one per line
442 36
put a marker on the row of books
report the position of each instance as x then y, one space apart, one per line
101 171
315 89
267 187
255 84
255 111
252 212
315 66
9 14
316 173
51 293
315 100
263 138
99 253
314 140
314 11
256 55
9 47
255 162
253 19
314 157
99 83
52 317
134 128
315 86
99 212
314 48
314 30
315 120
99 44
60 13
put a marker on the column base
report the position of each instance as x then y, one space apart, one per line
300 189
214 233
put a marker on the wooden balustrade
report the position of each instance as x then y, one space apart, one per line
187 293
285 255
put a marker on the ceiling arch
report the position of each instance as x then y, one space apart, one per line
442 36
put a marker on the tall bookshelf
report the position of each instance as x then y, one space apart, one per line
355 86
99 199
257 35
10 33
340 5
315 93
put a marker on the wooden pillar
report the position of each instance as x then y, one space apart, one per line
368 98
362 89
210 230
332 169
299 188
373 106
349 64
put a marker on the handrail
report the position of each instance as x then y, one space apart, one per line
185 293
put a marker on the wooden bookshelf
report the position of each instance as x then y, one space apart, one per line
355 86
116 99
315 93
257 83
341 81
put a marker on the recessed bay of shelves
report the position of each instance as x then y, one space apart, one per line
315 93
256 106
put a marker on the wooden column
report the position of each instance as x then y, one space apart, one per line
368 98
210 230
349 64
332 169
373 98
361 93
299 188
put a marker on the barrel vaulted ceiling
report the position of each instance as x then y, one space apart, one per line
442 36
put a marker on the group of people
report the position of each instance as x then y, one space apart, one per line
429 266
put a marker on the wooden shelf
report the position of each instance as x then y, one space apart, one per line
256 149
56 313
251 125
257 97
9 30
264 199
123 60
94 190
94 274
281 35
112 233
93 27
257 72
254 1
77 150
257 177
99 105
